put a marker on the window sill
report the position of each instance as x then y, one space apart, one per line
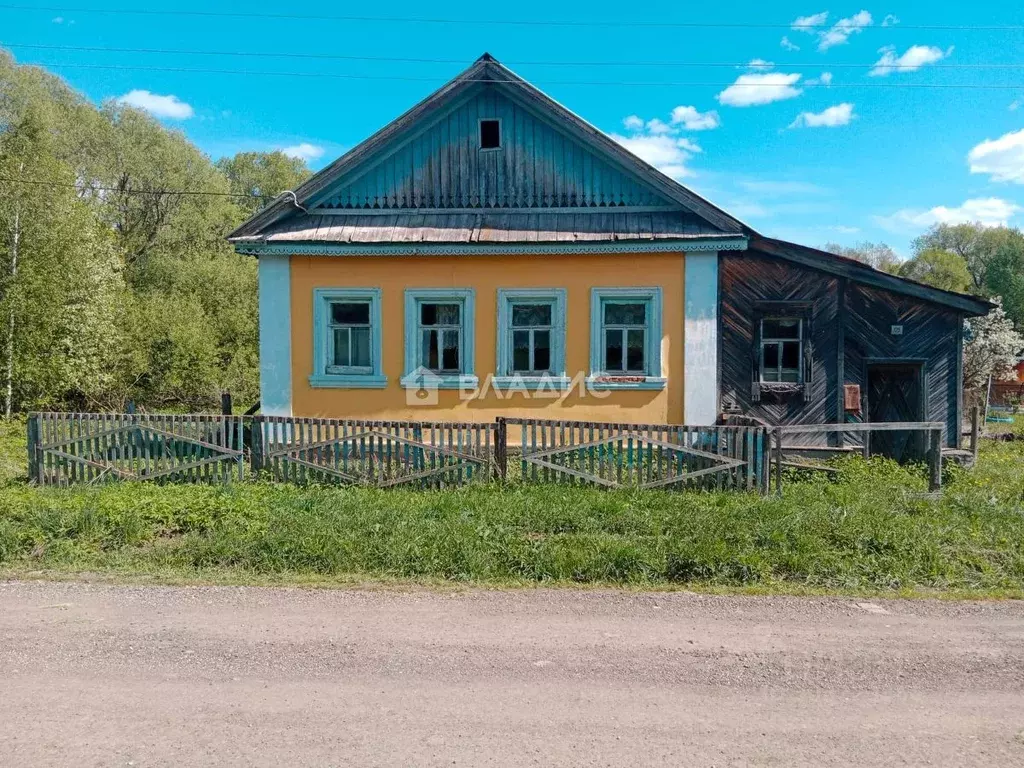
436 381
619 382
532 383
347 381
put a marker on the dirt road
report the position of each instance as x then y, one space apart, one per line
148 676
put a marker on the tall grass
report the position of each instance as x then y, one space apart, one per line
870 530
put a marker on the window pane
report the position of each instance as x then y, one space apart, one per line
541 350
625 314
350 313
340 346
791 354
428 350
770 374
520 350
770 356
361 347
635 349
439 314
531 314
613 350
450 351
790 374
780 328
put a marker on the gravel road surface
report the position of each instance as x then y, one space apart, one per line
99 675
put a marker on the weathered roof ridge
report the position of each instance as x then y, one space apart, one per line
488 69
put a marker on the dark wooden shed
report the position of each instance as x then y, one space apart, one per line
808 337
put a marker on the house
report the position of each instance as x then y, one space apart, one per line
491 253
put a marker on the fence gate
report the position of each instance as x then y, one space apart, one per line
67 448
642 455
377 453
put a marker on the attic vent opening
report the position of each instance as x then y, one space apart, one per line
490 134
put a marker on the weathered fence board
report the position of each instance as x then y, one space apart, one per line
618 455
67 448
378 453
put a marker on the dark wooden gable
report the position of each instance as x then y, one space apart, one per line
442 166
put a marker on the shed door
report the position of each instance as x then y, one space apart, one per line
894 394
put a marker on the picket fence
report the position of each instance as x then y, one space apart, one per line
69 448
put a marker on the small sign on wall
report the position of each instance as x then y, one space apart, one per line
896 330
851 397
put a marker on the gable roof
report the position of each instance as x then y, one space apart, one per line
865 274
487 72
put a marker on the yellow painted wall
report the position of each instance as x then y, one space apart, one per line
486 274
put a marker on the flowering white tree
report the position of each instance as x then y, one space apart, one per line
992 347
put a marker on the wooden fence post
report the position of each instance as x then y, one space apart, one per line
935 461
501 447
778 460
765 481
975 430
33 448
225 403
256 444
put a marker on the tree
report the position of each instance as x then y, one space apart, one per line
263 175
992 347
877 255
939 269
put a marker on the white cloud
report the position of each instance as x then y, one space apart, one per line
1002 158
915 57
634 123
840 32
807 23
57 19
666 153
987 211
693 120
760 88
825 78
760 65
657 126
845 230
304 151
169 106
1016 104
890 20
789 46
840 114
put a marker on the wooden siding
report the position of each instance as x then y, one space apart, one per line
850 323
537 166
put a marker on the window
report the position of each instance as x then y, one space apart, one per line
626 338
531 337
782 349
490 134
439 337
347 338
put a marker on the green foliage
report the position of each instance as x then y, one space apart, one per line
939 269
112 285
878 255
869 530
262 175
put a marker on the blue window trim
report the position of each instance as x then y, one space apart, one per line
652 378
504 377
322 297
412 376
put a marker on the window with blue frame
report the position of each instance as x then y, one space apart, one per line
439 339
531 336
625 338
347 338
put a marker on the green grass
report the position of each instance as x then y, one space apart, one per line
870 531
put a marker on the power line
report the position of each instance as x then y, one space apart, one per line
90 188
616 23
464 62
349 76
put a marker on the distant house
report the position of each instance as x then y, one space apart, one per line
491 253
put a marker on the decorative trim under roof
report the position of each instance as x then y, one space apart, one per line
487 249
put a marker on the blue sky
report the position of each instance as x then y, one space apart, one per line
799 147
